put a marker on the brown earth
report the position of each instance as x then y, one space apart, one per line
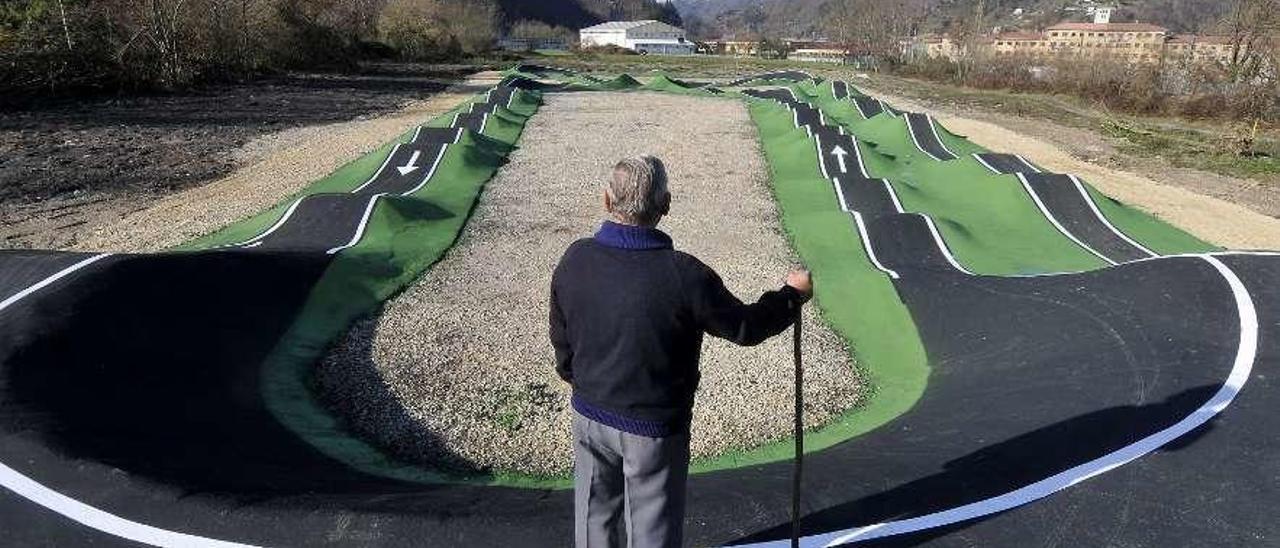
71 169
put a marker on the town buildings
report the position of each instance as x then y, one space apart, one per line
1130 42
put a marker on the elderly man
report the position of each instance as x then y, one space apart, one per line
627 317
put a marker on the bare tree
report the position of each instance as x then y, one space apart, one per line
875 27
1253 27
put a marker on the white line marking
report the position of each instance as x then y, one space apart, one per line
933 126
858 105
382 167
416 133
1098 213
102 521
252 245
431 172
1029 165
412 165
821 163
835 182
51 279
912 131
1241 369
484 122
942 245
839 152
978 157
857 153
893 196
866 246
279 223
1054 220
78 511
364 221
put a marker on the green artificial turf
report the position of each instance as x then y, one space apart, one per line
858 301
987 220
405 236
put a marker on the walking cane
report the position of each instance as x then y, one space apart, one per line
799 432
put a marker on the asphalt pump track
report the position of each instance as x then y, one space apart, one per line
1126 405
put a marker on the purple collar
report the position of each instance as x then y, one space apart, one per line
632 237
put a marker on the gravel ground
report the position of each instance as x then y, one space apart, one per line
457 372
86 174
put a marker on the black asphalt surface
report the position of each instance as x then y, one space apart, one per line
828 142
920 128
319 223
1064 201
1006 163
408 168
134 385
839 89
807 117
783 75
868 107
428 135
869 197
473 122
20 269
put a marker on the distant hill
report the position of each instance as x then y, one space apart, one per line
805 18
576 14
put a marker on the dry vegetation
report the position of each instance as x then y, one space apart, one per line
1246 87
54 46
58 46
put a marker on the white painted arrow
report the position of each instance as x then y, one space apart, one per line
840 153
412 165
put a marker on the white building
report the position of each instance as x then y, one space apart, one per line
642 36
1102 14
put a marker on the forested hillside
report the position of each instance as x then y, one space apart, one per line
778 18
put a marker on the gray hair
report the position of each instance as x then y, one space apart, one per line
637 189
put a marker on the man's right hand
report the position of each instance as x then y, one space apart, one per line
800 281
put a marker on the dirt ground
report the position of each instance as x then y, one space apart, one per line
1231 212
72 169
458 370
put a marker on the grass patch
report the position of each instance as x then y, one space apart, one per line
1215 147
987 220
855 299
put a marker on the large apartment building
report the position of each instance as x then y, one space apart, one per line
642 36
1132 42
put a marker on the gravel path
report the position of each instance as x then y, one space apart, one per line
457 371
270 168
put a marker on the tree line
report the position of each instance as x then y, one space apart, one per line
1246 85
62 46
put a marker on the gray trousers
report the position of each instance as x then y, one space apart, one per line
628 490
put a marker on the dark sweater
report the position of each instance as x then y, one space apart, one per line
627 317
